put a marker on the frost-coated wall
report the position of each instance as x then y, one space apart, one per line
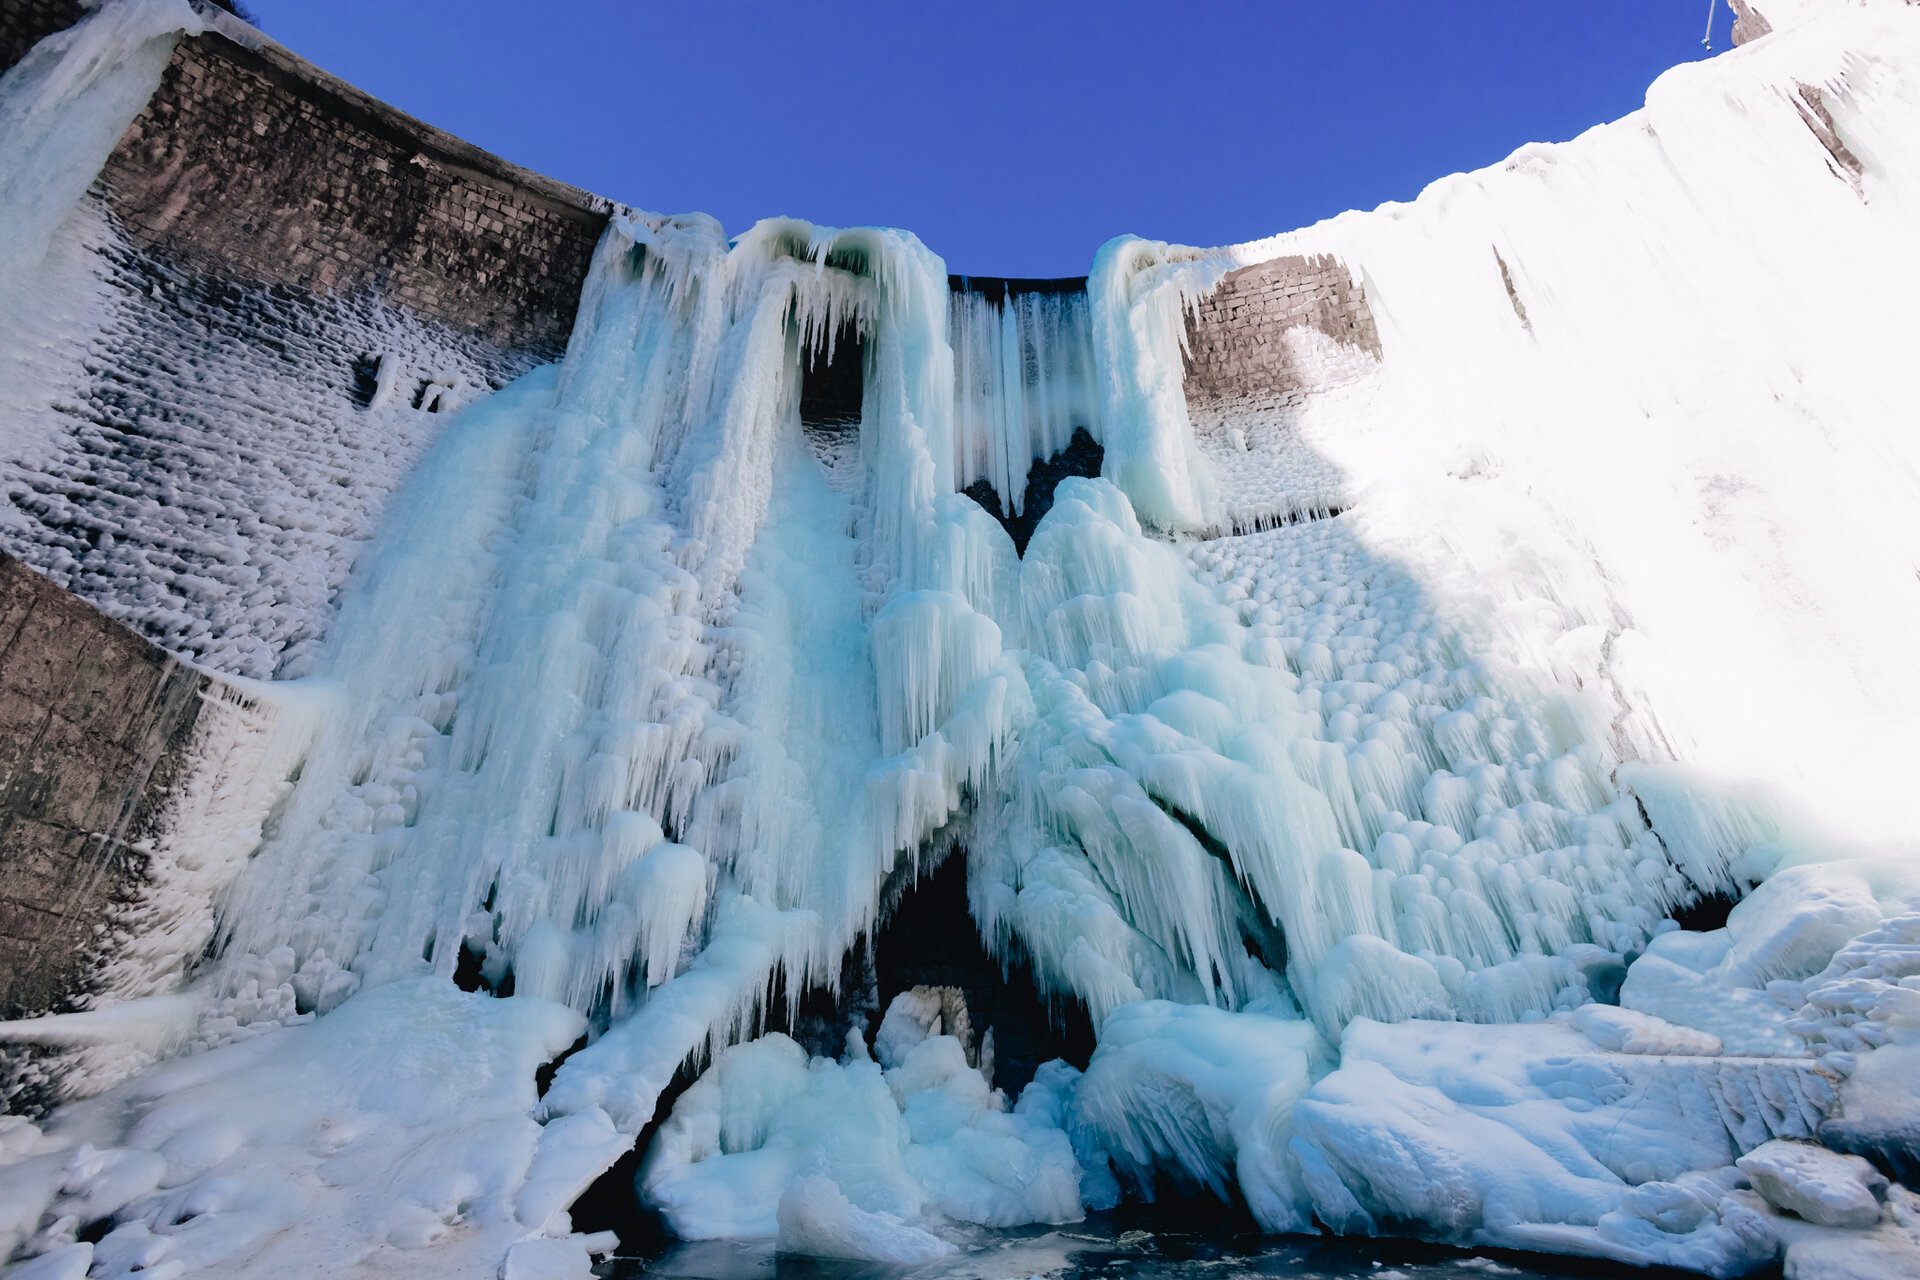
88 712
245 336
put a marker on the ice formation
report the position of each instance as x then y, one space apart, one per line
768 1143
1024 380
1360 836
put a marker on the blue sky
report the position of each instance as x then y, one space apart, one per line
1014 136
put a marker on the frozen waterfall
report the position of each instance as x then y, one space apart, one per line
634 713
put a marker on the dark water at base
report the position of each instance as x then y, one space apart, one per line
1123 1244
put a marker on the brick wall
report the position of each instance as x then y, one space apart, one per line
250 163
92 718
1246 352
24 22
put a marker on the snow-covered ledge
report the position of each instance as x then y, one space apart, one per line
1755 18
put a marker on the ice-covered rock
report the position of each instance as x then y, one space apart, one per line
1890 1249
816 1219
546 1260
1625 1031
1819 1185
858 1153
1206 1098
1532 1138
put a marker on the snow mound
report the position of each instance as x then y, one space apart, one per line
1821 1186
857 1158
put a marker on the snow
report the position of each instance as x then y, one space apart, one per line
400 1122
62 109
1360 836
1762 456
1819 1185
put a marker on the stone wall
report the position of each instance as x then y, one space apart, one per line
203 455
193 444
92 723
1747 23
1275 332
252 164
1269 339
24 22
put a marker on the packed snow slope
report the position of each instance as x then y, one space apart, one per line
1360 835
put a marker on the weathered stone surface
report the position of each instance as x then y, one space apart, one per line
1747 23
1239 360
88 713
24 22
255 165
263 237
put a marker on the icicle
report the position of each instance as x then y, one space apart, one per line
1023 370
63 108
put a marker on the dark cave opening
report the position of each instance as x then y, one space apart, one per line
1707 912
928 939
831 387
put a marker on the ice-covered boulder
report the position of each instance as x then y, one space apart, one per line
1811 1182
1208 1096
817 1219
856 1158
1892 1248
1625 1031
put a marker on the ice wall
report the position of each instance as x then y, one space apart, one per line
1709 418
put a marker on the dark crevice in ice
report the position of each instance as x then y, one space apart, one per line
612 1202
831 389
931 940
1706 912
1083 456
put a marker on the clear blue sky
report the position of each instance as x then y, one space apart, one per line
1014 136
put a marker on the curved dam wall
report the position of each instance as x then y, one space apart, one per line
275 285
1393 690
251 329
267 303
275 290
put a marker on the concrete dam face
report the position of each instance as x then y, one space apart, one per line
527 723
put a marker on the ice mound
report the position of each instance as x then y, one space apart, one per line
1206 1098
862 1157
1819 1185
401 1122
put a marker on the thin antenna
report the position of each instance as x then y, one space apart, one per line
1706 41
